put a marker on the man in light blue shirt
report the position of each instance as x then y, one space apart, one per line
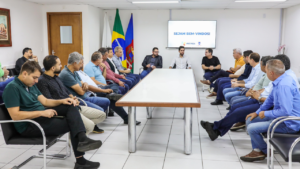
93 71
117 61
237 86
285 98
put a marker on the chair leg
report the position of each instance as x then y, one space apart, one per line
49 156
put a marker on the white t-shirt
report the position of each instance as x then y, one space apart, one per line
85 78
116 70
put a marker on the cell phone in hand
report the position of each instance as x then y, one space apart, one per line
60 117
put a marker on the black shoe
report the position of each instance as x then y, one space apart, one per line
111 113
228 108
137 122
87 165
88 145
217 102
213 134
203 124
97 130
114 96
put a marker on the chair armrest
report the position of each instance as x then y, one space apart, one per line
30 121
80 99
270 126
279 121
141 69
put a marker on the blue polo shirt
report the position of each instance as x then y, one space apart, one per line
70 79
94 71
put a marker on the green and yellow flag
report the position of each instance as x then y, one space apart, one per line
118 38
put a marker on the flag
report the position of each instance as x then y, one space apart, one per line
118 38
106 39
129 45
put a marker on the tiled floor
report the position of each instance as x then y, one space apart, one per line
159 145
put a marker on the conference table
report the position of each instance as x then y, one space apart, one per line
163 88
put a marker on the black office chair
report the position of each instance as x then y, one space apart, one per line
12 137
12 72
286 144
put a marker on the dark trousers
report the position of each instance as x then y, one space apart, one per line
223 84
220 81
220 73
129 82
56 126
237 113
113 87
119 110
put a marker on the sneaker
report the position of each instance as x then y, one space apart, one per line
97 130
217 102
137 122
211 90
212 95
87 165
111 113
213 134
238 126
114 96
88 145
228 108
254 156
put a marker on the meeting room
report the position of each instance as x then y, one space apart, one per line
149 84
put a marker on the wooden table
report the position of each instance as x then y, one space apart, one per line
163 88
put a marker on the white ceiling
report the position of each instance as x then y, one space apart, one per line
184 4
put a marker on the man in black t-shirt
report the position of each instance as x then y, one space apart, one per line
210 64
27 55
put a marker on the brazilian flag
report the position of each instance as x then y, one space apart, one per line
118 38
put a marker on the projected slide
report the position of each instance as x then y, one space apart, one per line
193 34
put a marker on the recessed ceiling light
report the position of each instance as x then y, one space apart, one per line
260 0
154 2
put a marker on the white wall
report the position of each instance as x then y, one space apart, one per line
291 36
91 24
246 29
26 28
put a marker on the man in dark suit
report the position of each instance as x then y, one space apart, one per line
151 62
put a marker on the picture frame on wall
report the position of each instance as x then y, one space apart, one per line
5 28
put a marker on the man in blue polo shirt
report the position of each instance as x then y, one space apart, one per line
285 98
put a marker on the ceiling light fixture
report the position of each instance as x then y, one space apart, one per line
260 1
155 2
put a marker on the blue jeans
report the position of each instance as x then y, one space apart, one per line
257 126
144 73
237 99
100 103
3 85
209 74
128 82
231 92
238 113
219 74
134 77
222 84
124 90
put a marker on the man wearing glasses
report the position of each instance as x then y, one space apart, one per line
151 62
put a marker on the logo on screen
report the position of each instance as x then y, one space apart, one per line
183 43
199 43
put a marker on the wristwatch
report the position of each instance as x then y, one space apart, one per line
214 68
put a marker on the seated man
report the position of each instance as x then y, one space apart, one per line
210 64
263 82
151 62
238 112
285 98
240 87
52 88
117 61
225 82
181 62
110 75
23 101
70 78
239 62
92 69
27 55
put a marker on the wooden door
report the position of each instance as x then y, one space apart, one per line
64 34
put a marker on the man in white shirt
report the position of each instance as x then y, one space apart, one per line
181 61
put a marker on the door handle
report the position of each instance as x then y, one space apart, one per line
53 52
